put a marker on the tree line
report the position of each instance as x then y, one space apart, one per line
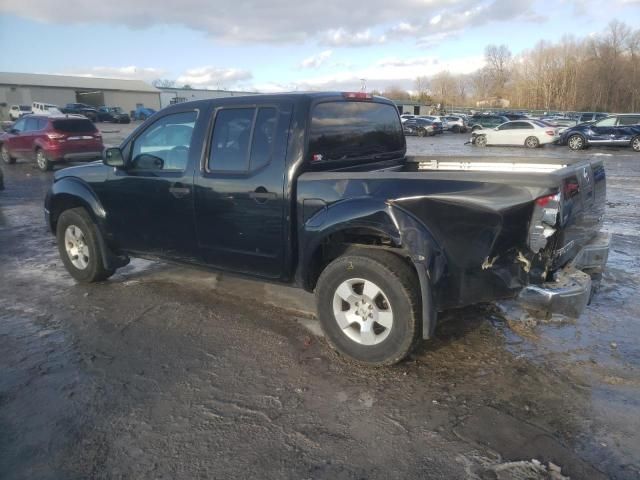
596 73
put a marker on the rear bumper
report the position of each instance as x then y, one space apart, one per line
570 291
82 156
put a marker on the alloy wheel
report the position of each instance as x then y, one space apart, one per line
362 311
76 246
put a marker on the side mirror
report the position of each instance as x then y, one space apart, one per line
113 157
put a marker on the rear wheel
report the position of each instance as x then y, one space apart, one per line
42 161
576 142
422 132
6 156
532 142
79 247
635 144
369 306
481 140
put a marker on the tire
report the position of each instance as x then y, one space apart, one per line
77 235
532 142
44 164
481 141
456 129
635 144
422 132
576 142
397 302
6 156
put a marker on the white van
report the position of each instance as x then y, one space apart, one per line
39 108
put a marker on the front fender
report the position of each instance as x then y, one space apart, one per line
408 235
71 192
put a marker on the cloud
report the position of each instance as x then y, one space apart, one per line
316 61
339 23
341 37
380 74
214 77
130 72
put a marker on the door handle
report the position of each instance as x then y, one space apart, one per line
261 195
179 191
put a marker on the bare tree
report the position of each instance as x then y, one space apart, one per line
498 59
163 83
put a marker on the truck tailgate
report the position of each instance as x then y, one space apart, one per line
581 184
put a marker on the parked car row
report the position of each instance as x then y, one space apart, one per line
615 130
428 125
100 114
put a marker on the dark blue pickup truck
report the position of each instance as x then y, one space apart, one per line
316 190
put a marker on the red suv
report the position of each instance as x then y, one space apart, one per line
51 139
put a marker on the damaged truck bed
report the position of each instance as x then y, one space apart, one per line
511 227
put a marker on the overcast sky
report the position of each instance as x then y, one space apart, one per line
277 45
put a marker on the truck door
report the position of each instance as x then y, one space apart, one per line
239 194
150 202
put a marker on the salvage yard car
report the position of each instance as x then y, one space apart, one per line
530 133
617 130
112 114
51 139
316 190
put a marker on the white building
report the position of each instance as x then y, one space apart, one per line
25 88
171 95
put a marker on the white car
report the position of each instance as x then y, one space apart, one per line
405 116
47 109
530 133
17 111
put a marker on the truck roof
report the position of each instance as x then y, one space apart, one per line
291 96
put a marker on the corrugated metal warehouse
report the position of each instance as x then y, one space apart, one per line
25 88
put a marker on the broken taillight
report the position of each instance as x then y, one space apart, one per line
544 220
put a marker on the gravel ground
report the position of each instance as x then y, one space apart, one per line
159 374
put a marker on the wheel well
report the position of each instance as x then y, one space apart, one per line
336 244
64 202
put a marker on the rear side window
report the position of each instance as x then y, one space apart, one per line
230 143
629 120
75 125
343 131
242 139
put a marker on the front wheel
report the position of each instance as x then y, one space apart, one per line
576 142
369 306
481 141
42 161
532 142
79 247
635 144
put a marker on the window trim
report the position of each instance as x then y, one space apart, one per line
204 163
131 142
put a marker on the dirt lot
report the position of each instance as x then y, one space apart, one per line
165 372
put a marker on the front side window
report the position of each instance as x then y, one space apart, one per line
507 126
19 125
607 122
165 144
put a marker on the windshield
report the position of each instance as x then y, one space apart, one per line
343 131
